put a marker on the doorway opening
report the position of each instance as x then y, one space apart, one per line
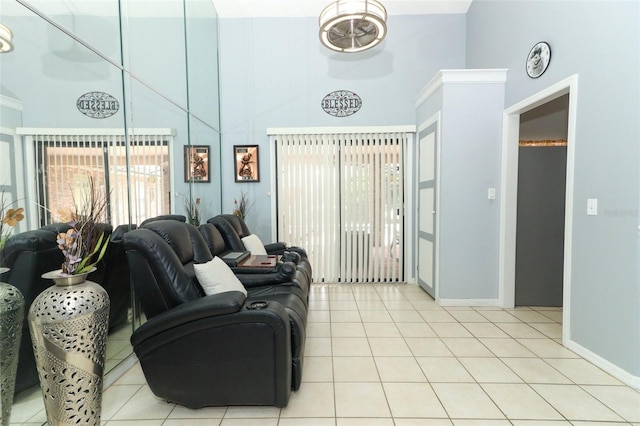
542 168
509 196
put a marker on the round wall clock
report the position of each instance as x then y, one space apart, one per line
538 59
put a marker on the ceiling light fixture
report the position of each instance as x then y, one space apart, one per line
353 25
6 37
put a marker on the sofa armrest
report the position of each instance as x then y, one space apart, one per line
219 305
256 277
275 248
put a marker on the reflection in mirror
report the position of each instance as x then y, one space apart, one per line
67 61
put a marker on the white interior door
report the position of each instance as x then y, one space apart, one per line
427 147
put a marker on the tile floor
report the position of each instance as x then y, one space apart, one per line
383 355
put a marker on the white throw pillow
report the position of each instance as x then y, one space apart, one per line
216 277
254 245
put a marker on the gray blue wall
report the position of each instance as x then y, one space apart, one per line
274 73
599 41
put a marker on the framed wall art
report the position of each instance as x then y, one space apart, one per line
247 166
196 163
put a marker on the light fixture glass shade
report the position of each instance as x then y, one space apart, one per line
353 25
6 38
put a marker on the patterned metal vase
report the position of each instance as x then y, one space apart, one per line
69 323
11 317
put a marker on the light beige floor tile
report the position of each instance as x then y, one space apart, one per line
466 401
463 346
468 316
345 316
575 404
413 400
252 412
350 346
113 398
433 316
347 329
540 423
319 305
506 347
381 329
338 296
355 369
317 346
143 405
530 316
135 423
405 316
307 422
621 399
582 372
498 316
371 305
318 329
180 412
389 346
520 330
490 370
399 369
363 421
415 329
398 305
317 369
428 346
486 422
318 316
444 369
361 400
422 422
375 316
552 330
547 348
311 400
343 305
575 423
554 315
519 401
192 422
249 422
450 329
484 329
535 370
133 376
425 305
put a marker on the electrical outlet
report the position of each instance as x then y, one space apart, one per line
592 207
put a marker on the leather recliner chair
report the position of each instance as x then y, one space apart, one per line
198 350
285 272
233 229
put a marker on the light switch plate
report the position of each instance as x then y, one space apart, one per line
491 194
592 207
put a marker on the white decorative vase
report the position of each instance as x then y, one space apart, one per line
11 317
69 323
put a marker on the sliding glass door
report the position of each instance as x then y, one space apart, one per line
340 196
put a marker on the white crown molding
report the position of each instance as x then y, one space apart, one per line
460 76
12 103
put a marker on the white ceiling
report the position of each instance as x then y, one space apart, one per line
290 8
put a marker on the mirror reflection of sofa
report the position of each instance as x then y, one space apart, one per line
241 345
33 253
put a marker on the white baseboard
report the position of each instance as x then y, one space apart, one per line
617 372
468 302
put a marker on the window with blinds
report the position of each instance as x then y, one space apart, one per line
340 196
65 160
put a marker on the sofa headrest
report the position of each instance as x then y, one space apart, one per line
116 235
176 234
213 238
176 217
36 240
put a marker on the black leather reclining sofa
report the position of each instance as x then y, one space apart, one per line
223 349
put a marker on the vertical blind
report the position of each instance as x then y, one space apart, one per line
65 162
340 196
